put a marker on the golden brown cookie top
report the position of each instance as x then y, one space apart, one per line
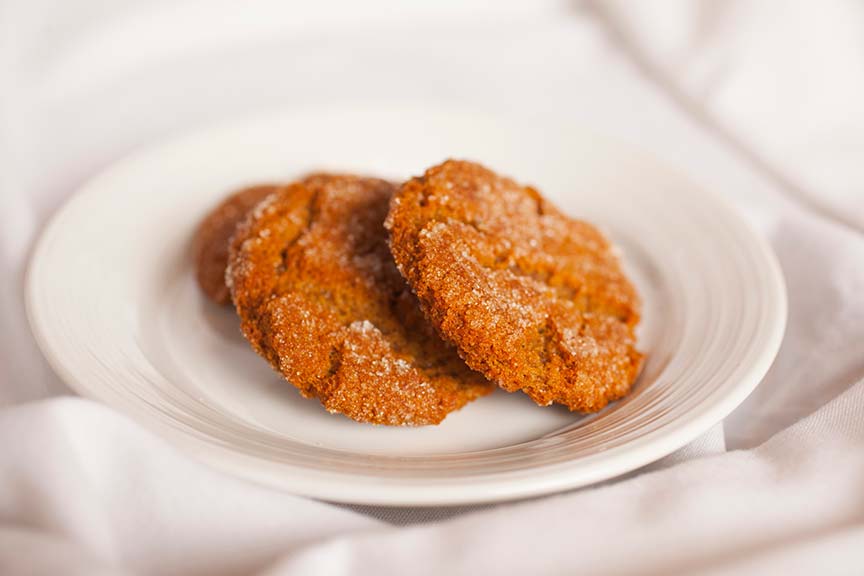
214 233
531 298
320 298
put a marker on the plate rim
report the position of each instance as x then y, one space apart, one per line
497 487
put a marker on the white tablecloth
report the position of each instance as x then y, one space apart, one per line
757 99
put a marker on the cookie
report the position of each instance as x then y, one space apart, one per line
534 300
212 237
320 298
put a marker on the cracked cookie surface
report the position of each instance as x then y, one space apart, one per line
213 235
533 299
320 298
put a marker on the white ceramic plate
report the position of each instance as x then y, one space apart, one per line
114 306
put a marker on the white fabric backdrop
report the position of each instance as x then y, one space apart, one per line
758 100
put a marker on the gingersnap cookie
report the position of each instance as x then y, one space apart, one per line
533 299
212 237
320 298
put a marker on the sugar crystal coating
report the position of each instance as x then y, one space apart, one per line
533 299
320 298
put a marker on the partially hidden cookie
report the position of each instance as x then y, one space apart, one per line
533 299
212 237
320 298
